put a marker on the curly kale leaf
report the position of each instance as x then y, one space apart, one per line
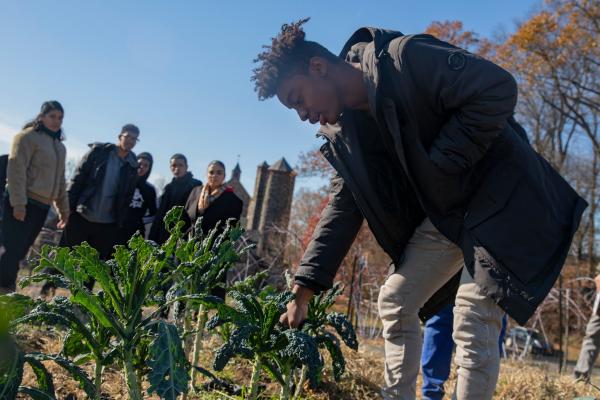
235 345
77 373
332 344
303 349
344 328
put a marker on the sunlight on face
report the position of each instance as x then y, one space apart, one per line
143 166
53 120
215 175
178 167
128 140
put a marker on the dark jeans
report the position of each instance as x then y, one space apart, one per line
124 234
18 237
102 237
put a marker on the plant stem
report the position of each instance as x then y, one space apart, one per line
201 321
303 376
98 378
287 379
255 377
133 384
187 328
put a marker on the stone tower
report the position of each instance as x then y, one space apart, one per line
255 208
269 216
275 213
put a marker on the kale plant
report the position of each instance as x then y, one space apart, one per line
258 337
13 358
318 320
201 265
116 330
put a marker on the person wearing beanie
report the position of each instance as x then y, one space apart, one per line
142 207
35 178
175 193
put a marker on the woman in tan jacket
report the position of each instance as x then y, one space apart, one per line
35 180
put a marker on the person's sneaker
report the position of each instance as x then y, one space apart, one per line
581 377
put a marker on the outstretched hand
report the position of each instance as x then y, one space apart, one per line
297 309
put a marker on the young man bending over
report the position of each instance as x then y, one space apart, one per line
423 140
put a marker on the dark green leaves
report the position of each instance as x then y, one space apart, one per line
303 349
168 375
344 328
332 344
44 379
35 394
77 373
13 306
238 343
11 368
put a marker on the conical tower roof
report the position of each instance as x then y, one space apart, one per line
281 165
237 172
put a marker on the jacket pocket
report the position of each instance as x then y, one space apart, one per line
513 221
492 196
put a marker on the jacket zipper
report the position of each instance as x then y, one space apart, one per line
56 177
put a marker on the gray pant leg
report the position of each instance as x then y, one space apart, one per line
589 348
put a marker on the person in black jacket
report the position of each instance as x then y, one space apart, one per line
100 193
175 193
215 203
142 207
425 147
3 166
99 196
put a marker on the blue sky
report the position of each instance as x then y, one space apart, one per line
180 69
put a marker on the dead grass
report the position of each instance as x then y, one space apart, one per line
518 381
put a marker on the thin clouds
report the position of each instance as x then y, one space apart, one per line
75 149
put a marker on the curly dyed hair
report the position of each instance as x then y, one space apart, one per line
288 54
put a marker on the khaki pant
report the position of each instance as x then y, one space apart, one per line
589 349
430 260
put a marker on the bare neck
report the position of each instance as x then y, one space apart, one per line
351 87
121 152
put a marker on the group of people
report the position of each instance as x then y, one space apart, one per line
108 198
426 149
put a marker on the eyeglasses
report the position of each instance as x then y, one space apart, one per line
130 137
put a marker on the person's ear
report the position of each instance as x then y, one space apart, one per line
318 67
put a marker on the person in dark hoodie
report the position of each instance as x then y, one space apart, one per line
422 137
175 193
3 168
142 207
